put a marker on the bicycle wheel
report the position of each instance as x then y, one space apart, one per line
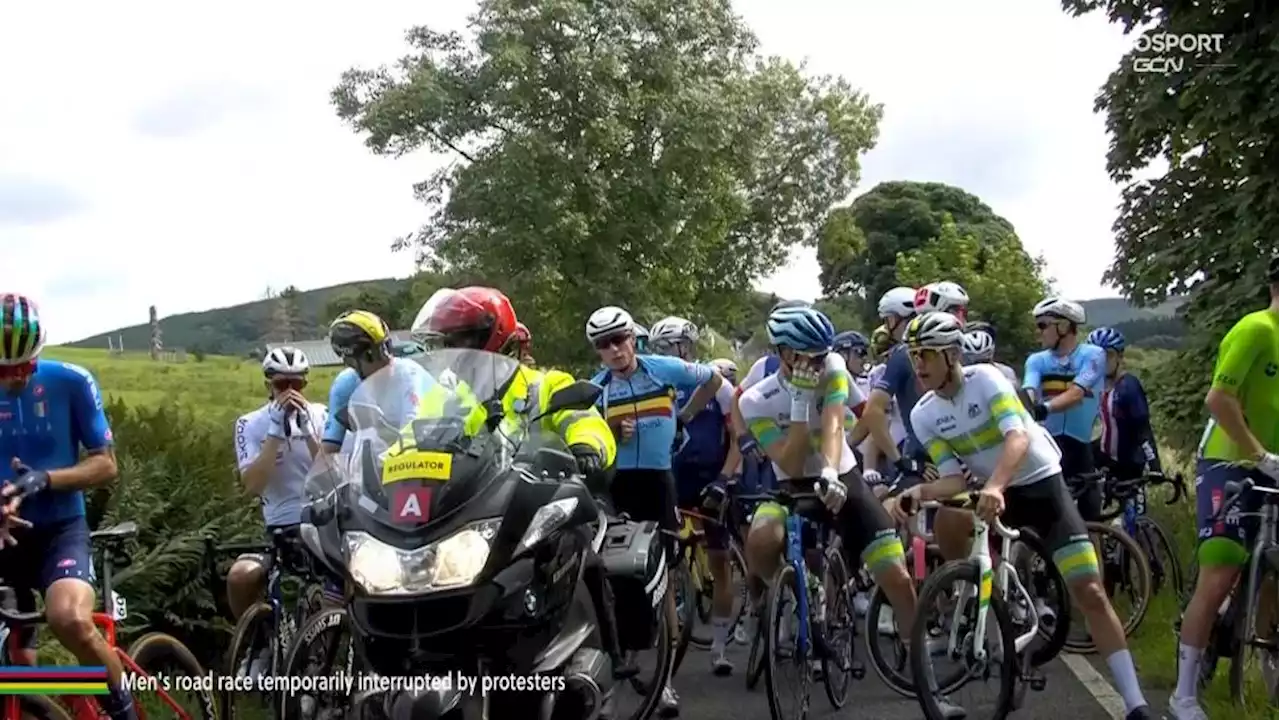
42 708
160 655
1044 581
1247 659
782 653
650 688
1162 556
936 592
325 631
888 652
686 610
837 671
755 658
1123 565
703 593
254 634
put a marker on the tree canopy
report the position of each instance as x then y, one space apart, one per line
1002 281
629 152
859 244
1205 221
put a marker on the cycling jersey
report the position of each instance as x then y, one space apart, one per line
648 396
970 429
1008 372
45 426
413 377
282 495
766 408
1247 369
1126 425
760 369
899 380
897 429
1051 375
707 433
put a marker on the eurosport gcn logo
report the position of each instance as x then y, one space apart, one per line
1168 53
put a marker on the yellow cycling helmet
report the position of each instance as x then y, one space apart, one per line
881 340
357 332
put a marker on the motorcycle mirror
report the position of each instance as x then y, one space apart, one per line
581 395
369 476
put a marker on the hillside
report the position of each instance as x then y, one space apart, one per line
239 329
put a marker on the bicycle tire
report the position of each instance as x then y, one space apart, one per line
39 707
651 690
755 657
1169 572
937 583
1244 631
703 589
1131 552
785 579
705 592
839 605
682 581
1055 641
894 673
246 629
290 705
155 652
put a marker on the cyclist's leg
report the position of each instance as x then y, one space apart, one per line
1047 508
247 581
67 578
1220 555
867 531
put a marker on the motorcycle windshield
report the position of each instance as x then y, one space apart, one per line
429 433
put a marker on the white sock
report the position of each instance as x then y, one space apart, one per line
1188 671
720 627
1126 677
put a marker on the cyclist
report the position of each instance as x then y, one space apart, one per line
639 405
525 340
49 412
798 415
944 296
363 341
727 368
642 339
703 468
971 418
853 347
1067 378
1240 441
980 347
1128 444
881 342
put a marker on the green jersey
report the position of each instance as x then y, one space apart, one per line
1247 369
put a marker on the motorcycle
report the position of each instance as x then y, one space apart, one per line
466 540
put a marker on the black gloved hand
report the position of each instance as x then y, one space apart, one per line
909 466
1040 411
29 482
589 461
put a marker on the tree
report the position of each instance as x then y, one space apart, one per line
1205 224
1003 282
858 244
629 152
286 319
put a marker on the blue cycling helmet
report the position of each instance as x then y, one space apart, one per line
1107 339
801 328
851 340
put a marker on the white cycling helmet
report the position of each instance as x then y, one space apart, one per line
285 361
899 302
608 321
726 367
1059 308
941 297
978 347
671 329
935 330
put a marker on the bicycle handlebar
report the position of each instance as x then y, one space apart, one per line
1234 492
968 502
1123 489
17 619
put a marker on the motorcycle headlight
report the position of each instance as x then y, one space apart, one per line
545 521
381 569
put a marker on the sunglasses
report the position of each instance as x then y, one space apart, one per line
1042 324
611 342
17 372
923 354
288 383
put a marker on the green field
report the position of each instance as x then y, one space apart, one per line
215 387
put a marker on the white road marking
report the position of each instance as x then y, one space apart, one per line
1098 686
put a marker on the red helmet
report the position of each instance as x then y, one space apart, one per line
524 337
478 318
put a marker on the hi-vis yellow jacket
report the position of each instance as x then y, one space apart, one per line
530 391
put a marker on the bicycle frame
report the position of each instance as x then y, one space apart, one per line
795 556
1004 576
1267 539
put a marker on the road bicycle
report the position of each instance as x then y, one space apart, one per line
1235 633
266 629
993 590
694 584
1127 500
149 656
809 610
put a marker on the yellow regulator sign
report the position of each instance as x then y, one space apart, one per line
417 465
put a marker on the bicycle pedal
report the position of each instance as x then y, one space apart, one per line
858 671
1037 682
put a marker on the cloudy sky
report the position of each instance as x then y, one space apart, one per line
151 152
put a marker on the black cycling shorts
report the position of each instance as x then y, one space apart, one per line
1077 461
1047 508
646 495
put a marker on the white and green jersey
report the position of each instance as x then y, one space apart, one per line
970 428
766 408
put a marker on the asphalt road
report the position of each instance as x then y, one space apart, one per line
704 696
